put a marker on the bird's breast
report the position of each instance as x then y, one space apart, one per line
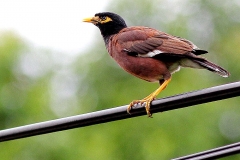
148 69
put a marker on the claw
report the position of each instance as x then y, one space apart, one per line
147 105
147 100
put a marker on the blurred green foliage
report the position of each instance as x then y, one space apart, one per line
38 85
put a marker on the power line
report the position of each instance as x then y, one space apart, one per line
214 153
117 113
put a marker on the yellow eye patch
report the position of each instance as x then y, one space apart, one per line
105 19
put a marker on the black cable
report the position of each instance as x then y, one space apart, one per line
117 113
214 153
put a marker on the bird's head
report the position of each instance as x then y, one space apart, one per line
108 23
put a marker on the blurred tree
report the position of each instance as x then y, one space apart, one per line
38 85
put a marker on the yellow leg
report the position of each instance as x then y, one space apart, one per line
147 100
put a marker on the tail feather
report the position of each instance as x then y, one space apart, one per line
193 61
211 67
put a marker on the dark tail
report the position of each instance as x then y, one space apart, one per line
211 67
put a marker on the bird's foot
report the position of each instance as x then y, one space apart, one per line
147 101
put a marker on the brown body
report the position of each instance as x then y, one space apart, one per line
138 66
143 40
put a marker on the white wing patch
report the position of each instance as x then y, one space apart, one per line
151 54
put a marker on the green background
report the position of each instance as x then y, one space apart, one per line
37 84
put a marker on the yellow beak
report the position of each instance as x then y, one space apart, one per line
91 20
88 19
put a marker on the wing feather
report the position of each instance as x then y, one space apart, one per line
144 41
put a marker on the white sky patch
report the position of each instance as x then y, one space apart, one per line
55 25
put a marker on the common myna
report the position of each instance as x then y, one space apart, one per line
149 54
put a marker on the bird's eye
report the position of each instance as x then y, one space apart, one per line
103 18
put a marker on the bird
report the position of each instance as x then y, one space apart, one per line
148 53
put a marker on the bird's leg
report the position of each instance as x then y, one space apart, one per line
147 100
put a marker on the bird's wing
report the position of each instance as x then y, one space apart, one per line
148 42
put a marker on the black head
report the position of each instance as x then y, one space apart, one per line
108 23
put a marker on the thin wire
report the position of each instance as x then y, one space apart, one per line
214 153
117 113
